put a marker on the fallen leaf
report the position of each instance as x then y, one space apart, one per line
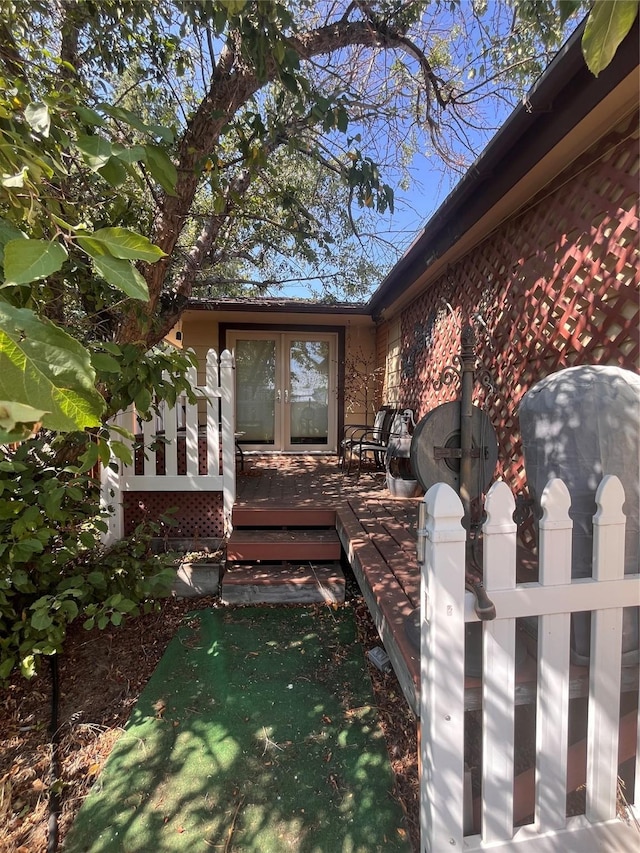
159 707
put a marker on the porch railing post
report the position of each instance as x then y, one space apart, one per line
442 672
212 391
111 496
228 436
111 492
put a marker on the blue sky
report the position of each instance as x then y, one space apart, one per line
431 180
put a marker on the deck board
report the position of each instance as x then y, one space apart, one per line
388 603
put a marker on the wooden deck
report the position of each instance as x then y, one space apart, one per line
376 530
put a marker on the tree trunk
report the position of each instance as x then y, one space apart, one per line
228 92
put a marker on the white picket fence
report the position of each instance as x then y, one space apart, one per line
215 430
445 609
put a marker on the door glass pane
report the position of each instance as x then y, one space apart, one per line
309 392
255 391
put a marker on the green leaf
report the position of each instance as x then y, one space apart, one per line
17 419
29 260
114 172
103 452
8 232
116 618
41 620
38 118
123 243
20 580
89 458
43 367
567 8
130 154
30 546
161 168
608 23
162 132
95 150
6 666
89 116
122 452
143 401
70 609
105 363
122 275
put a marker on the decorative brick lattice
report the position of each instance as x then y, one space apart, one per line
553 287
199 514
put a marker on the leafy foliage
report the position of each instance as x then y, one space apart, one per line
44 368
609 22
52 566
147 148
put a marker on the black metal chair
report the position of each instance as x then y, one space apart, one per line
361 440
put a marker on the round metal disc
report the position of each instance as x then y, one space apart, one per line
440 428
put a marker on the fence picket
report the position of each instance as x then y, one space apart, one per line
148 455
191 428
442 664
212 390
498 685
170 423
606 651
228 419
554 633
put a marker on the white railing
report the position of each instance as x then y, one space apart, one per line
445 610
169 449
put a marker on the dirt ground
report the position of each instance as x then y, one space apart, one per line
101 676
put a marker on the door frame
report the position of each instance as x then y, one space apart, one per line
307 330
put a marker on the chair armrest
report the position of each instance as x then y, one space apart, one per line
370 436
351 429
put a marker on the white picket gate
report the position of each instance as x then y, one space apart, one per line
445 609
215 430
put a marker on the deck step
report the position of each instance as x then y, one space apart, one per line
271 545
283 584
283 517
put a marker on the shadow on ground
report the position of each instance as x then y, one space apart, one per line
255 733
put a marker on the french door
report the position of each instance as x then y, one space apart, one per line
285 390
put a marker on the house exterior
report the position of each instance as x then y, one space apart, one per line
303 370
536 248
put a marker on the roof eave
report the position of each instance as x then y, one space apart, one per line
560 99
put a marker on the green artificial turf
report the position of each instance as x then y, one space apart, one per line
268 741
